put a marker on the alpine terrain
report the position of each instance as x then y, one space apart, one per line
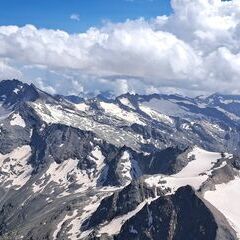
134 167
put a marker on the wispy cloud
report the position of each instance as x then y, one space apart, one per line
75 17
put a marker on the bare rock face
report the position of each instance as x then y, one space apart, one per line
168 161
219 176
121 202
180 216
61 142
14 91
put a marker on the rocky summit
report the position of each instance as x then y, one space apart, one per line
134 167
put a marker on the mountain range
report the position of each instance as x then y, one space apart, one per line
135 167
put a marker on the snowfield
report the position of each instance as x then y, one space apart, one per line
194 174
165 107
226 199
202 163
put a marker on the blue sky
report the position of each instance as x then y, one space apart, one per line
56 14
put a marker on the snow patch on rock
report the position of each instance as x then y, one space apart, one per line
98 158
128 168
82 107
125 101
115 110
17 120
60 174
57 114
14 168
16 90
156 115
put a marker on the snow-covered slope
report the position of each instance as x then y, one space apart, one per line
226 199
15 170
114 110
201 164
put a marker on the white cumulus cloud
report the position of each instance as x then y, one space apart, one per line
195 49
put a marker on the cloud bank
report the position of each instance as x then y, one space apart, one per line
192 51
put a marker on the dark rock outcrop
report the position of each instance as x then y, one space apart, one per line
121 202
182 216
168 161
